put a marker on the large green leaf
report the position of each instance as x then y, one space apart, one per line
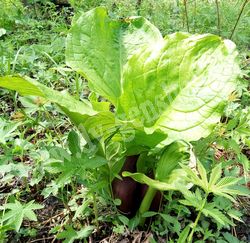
164 89
93 125
76 110
179 85
98 47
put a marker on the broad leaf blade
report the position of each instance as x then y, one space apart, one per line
180 85
98 47
77 111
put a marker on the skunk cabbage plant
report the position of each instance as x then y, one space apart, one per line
157 93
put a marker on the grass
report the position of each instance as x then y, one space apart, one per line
32 139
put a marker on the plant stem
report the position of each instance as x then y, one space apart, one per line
15 60
238 19
190 237
218 16
186 13
146 203
95 212
195 11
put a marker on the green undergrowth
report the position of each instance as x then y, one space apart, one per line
46 192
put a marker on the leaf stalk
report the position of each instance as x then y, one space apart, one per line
146 203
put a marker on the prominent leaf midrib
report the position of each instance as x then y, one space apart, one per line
110 88
120 59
